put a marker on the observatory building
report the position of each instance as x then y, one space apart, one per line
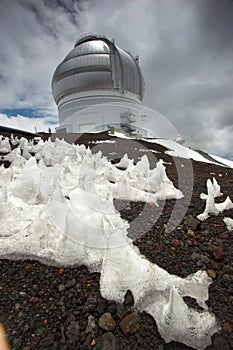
98 86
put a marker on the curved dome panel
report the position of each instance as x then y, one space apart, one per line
87 48
95 64
82 82
80 64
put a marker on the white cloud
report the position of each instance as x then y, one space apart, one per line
221 143
31 53
28 124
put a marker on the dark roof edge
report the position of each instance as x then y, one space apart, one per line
7 129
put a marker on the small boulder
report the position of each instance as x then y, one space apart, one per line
130 324
227 327
191 223
211 274
73 331
107 322
106 342
217 252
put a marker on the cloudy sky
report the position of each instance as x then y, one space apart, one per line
185 49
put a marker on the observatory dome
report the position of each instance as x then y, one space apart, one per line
96 71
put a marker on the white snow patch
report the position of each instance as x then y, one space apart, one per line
178 150
216 190
212 208
125 162
120 135
160 294
103 141
5 146
224 161
60 210
179 140
229 223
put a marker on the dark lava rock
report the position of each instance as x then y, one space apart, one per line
217 252
27 347
90 304
220 342
47 341
191 223
70 283
129 299
107 322
61 287
204 259
73 331
70 317
101 307
106 342
18 342
130 323
91 326
120 311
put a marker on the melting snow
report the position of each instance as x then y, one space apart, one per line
103 141
227 162
229 223
58 207
5 146
178 150
212 208
120 135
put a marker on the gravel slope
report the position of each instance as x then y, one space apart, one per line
47 307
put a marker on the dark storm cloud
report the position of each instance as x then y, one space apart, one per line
196 48
226 119
35 36
189 75
215 22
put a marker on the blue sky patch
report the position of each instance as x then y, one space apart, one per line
26 112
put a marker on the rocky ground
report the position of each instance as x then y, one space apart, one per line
47 307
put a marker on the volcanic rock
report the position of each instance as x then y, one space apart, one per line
106 342
129 299
191 223
217 252
47 341
107 322
73 331
130 324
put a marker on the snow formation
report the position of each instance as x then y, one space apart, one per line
5 146
225 161
229 223
58 207
212 208
179 150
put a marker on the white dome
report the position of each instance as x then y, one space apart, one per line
96 64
